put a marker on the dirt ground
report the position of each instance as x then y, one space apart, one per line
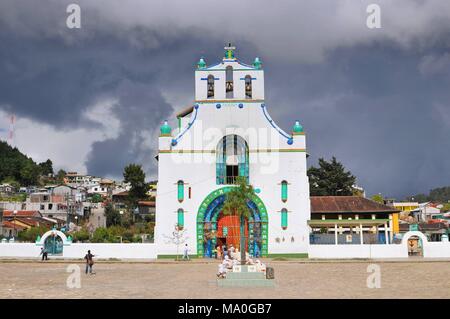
197 280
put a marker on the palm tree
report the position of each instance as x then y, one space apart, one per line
236 204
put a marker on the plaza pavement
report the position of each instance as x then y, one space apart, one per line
296 278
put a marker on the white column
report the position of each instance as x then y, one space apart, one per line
391 228
361 234
386 233
335 234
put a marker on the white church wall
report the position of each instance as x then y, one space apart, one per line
271 161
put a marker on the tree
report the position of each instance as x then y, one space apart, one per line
330 179
46 167
60 176
29 173
17 166
96 198
178 237
112 216
378 198
236 204
134 175
81 235
30 234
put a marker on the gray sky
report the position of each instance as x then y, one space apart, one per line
92 99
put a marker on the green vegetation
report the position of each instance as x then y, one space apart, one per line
114 234
18 169
378 198
30 235
81 235
134 175
439 195
14 198
112 216
330 179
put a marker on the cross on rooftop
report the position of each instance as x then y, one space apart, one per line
229 54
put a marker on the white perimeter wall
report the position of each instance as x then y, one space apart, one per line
357 251
103 251
436 249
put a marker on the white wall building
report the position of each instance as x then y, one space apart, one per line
227 133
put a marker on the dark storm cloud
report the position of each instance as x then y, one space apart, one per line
378 100
373 109
56 78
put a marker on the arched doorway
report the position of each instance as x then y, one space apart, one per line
54 244
54 241
415 246
214 228
414 241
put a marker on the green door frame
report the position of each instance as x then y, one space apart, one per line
219 192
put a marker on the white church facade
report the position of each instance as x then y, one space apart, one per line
226 133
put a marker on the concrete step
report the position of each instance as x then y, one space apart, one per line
245 282
246 275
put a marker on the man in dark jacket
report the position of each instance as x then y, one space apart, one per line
89 262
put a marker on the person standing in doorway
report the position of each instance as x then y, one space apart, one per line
89 262
224 249
186 252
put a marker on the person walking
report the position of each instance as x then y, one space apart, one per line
186 252
44 253
89 262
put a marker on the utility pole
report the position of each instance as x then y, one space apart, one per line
68 200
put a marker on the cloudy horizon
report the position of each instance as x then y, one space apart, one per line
92 99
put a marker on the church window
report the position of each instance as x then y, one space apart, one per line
232 159
284 191
210 86
248 87
180 218
284 218
180 186
229 82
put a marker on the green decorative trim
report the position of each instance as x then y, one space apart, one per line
299 255
174 256
298 133
346 221
165 135
219 192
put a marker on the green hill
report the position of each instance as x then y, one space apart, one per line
17 168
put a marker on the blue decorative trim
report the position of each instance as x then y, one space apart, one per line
247 65
218 105
241 105
205 79
269 119
180 135
244 79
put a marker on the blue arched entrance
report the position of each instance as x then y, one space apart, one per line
208 224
